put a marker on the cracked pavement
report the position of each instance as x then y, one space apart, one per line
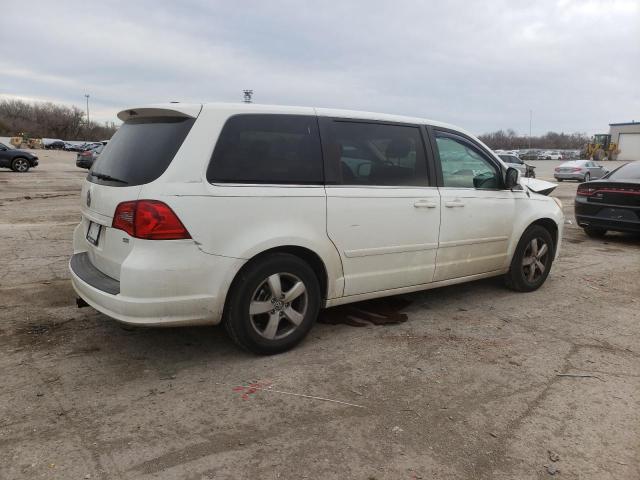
466 387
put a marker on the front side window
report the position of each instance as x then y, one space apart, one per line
376 154
463 166
268 148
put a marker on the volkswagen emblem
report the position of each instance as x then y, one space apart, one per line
88 198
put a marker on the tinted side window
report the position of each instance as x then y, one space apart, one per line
376 154
268 149
463 166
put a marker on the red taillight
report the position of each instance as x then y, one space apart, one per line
557 169
586 190
124 217
149 219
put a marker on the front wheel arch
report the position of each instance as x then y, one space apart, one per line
551 226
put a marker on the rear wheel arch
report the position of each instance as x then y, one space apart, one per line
309 256
249 328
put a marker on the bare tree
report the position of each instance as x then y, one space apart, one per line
50 120
510 140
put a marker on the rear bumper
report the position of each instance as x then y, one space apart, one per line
621 218
608 223
193 295
568 176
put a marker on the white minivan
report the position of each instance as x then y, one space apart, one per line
258 216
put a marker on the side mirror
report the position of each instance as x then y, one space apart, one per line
511 178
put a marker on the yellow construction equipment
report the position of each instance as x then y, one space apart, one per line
25 141
601 148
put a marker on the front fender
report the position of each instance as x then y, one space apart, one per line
537 208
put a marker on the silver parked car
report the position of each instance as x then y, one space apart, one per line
581 170
516 162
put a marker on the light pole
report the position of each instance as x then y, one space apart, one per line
87 97
530 118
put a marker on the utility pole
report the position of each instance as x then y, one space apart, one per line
530 118
247 95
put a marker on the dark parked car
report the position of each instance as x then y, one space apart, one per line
55 145
17 160
611 203
86 158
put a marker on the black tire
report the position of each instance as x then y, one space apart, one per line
518 278
559 179
251 286
587 177
595 232
20 165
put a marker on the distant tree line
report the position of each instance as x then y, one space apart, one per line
50 120
510 140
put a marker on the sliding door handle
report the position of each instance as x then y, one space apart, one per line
424 204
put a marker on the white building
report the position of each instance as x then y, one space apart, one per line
627 136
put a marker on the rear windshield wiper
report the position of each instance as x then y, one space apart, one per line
109 178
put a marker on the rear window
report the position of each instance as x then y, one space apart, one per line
630 171
140 151
264 148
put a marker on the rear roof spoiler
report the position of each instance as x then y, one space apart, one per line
191 110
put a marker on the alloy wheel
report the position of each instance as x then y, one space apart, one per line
21 165
534 260
278 306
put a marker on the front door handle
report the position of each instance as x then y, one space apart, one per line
424 204
453 204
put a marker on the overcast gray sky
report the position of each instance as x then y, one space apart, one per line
479 64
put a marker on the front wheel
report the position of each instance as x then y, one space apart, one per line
531 261
20 165
273 303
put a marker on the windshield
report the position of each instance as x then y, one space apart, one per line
140 151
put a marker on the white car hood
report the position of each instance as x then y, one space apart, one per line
538 186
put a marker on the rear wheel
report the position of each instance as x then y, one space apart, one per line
20 165
531 261
594 232
272 304
587 177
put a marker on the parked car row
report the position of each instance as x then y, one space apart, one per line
540 154
81 147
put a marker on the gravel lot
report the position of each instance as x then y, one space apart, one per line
467 387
